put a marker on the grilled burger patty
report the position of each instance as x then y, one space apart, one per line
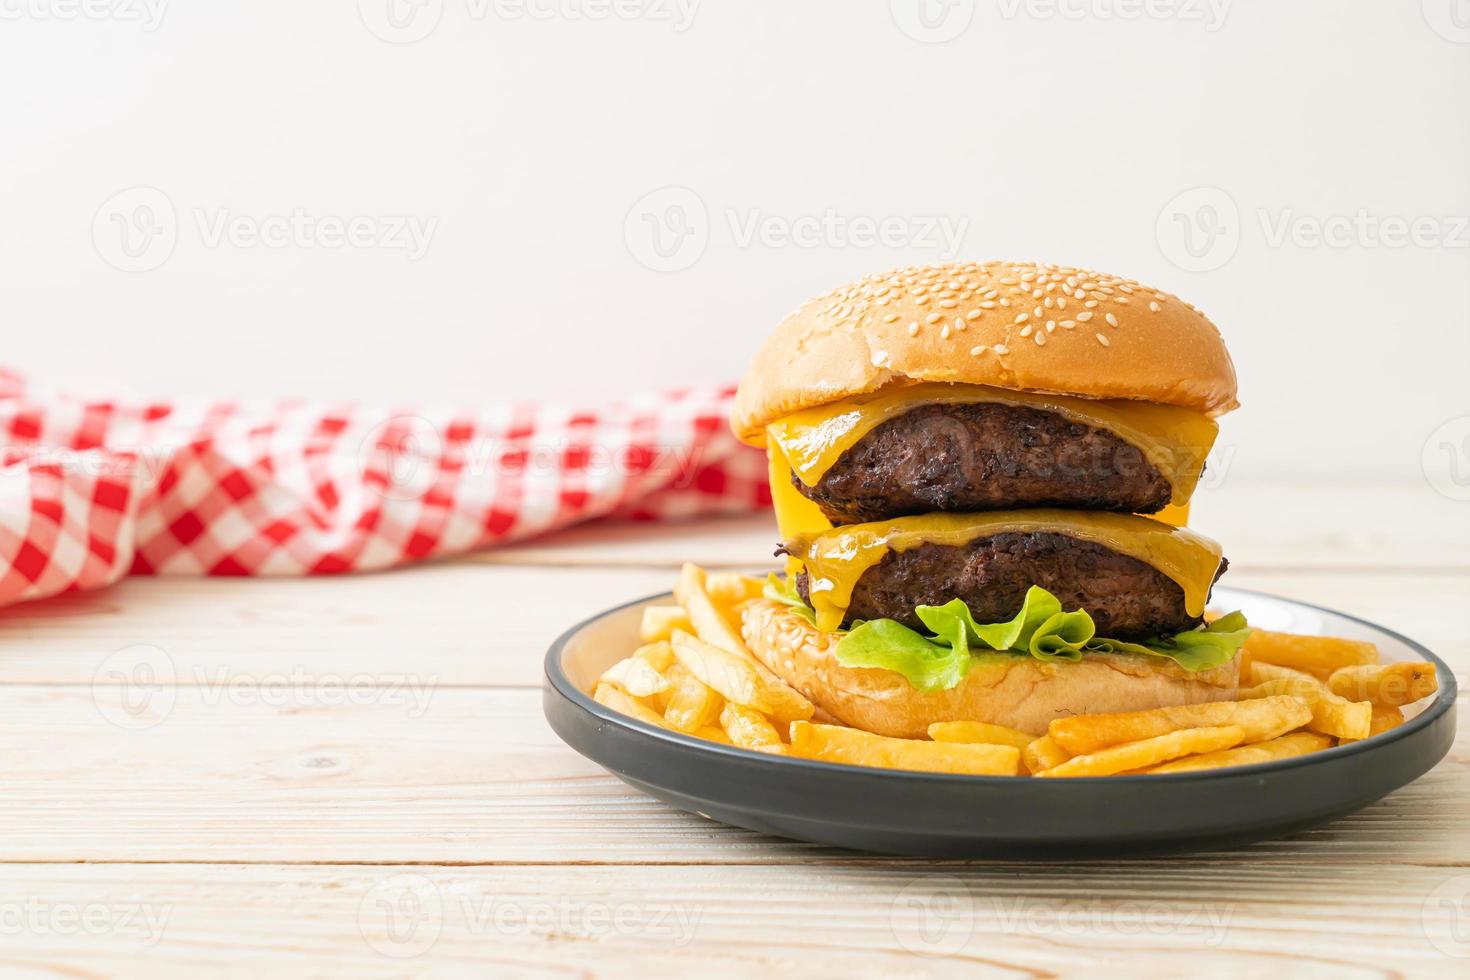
1128 599
985 456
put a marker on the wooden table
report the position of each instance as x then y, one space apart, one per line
233 775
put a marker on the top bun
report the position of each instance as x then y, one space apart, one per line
1018 325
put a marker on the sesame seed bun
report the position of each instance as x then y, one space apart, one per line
1015 325
1018 692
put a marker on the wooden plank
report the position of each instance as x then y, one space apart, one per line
472 776
473 624
1155 919
464 623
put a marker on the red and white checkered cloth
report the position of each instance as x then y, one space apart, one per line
92 490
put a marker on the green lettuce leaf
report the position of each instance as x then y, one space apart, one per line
783 590
1041 629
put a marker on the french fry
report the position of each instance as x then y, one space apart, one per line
729 589
659 623
1260 719
1315 655
710 625
693 704
1042 753
610 697
740 680
1331 715
1148 752
1391 685
1385 717
750 729
713 733
635 676
1284 747
659 655
833 743
979 732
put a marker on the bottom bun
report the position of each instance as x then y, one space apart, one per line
1019 692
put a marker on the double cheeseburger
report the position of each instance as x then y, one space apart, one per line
981 473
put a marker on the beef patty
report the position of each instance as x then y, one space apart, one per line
985 456
1127 598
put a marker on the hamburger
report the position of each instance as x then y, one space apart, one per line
981 474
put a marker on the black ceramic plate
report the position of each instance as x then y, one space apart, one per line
932 814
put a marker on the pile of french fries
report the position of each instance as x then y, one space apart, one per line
1298 694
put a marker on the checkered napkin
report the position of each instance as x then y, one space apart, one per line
92 490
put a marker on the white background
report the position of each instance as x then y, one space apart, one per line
531 136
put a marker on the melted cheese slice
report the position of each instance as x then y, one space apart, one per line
836 558
1175 440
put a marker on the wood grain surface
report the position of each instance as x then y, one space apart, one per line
352 777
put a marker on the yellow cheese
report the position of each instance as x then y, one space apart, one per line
795 515
1175 440
835 559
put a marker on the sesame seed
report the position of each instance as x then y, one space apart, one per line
1041 340
1112 320
959 323
1048 303
932 318
1084 316
1090 304
944 334
1051 325
1022 317
1122 300
890 318
1026 330
914 329
1153 307
974 314
948 304
1068 324
977 351
1102 340
1001 349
